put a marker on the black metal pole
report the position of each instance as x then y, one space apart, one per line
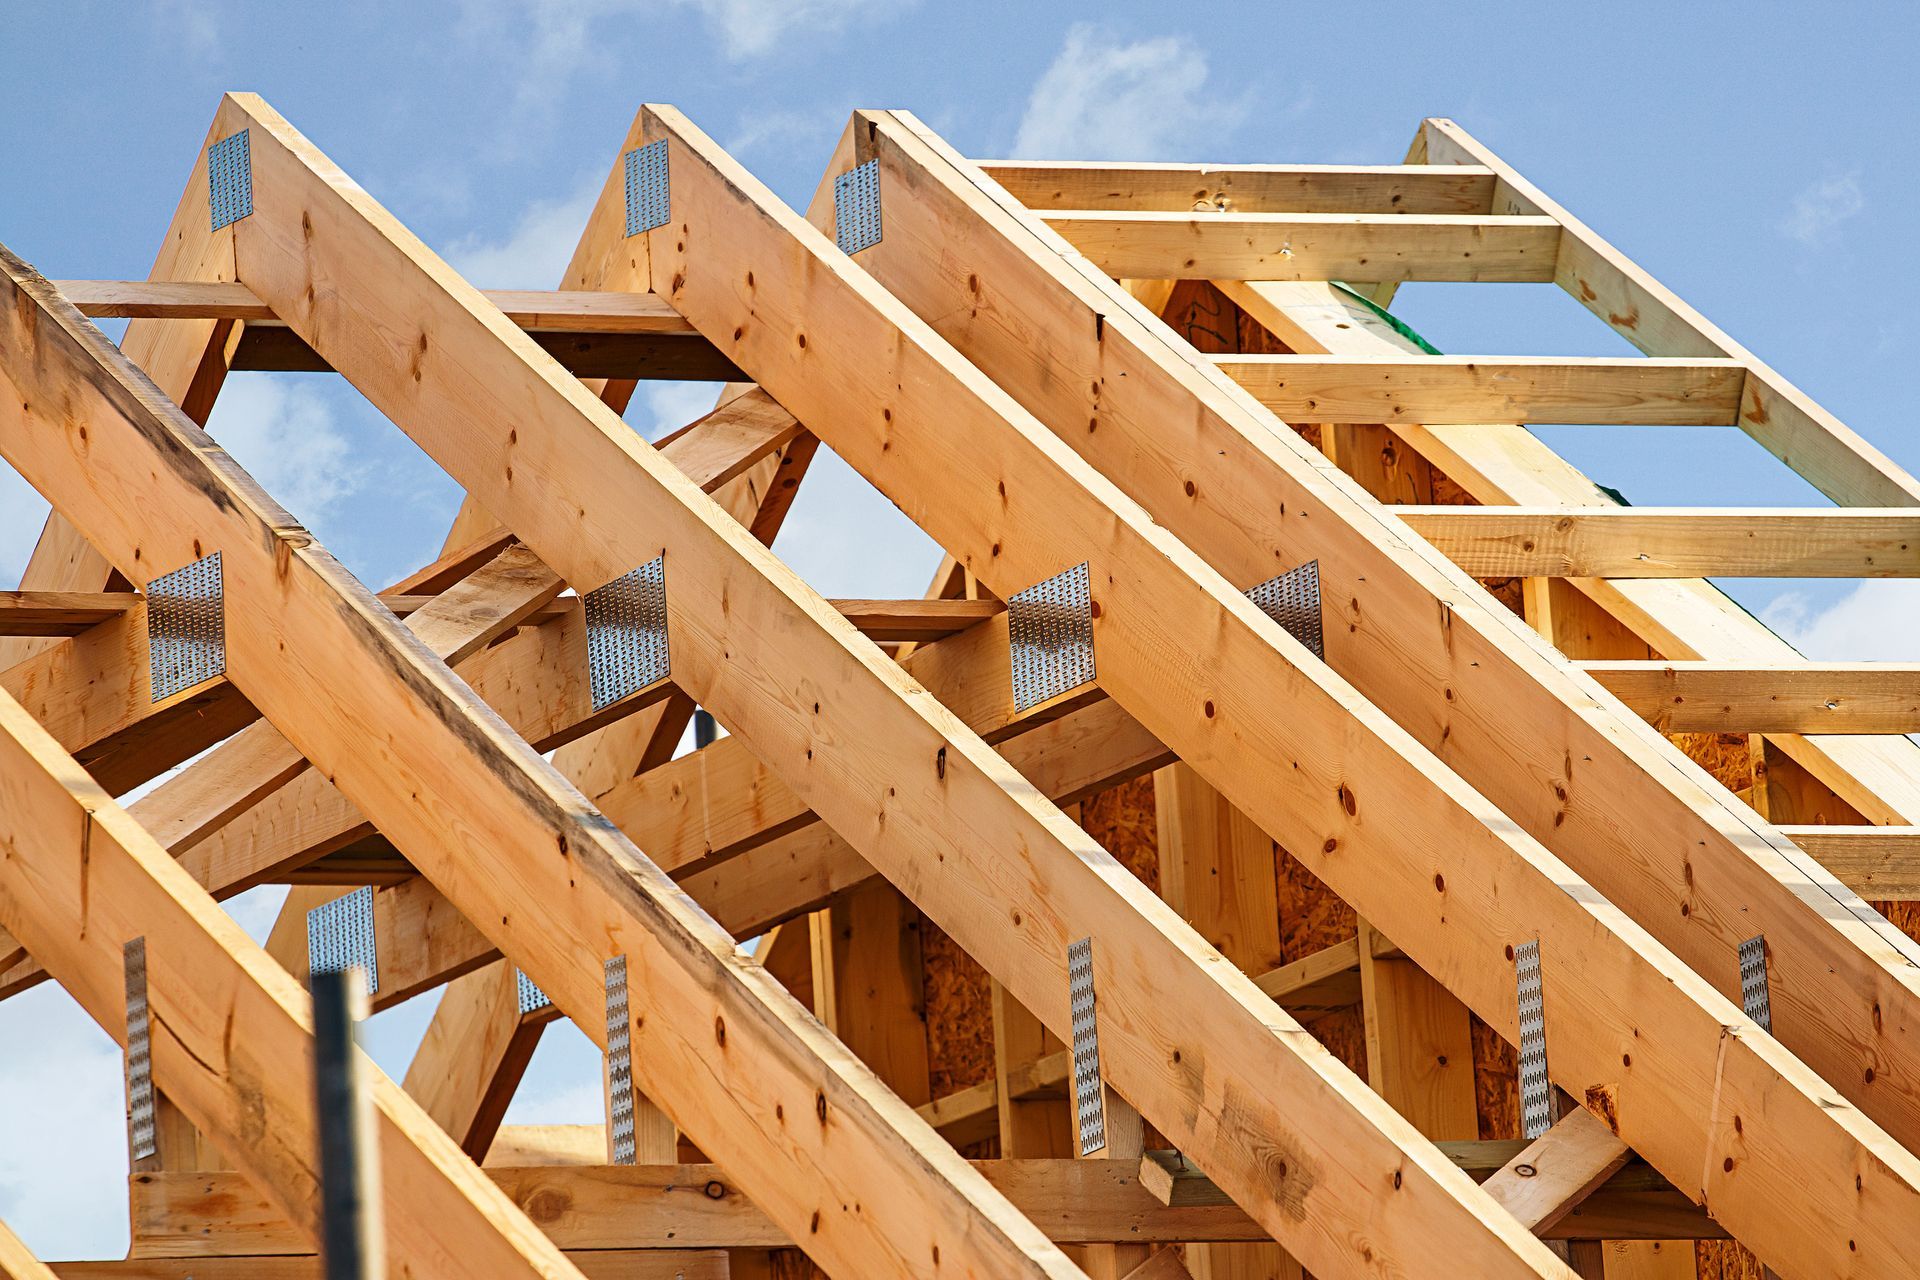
704 729
352 1244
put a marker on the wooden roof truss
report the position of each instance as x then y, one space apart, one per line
1009 364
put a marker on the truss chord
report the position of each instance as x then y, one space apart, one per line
186 627
141 1133
627 633
1050 633
340 936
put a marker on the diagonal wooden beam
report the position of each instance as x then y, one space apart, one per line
17 1261
317 248
79 879
456 791
1234 481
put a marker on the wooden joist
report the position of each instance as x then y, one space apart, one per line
1247 188
1439 390
1673 542
644 1207
1312 246
1781 697
59 613
593 1264
1879 863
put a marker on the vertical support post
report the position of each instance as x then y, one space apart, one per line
352 1235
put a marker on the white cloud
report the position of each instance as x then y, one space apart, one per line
1104 99
534 255
1877 621
284 435
1822 206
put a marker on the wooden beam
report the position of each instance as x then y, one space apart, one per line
1559 1169
1782 697
1673 542
594 1264
58 613
1472 389
80 879
1878 863
560 310
456 791
1311 246
1246 188
695 1206
17 1261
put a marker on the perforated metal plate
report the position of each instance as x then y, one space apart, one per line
532 998
1089 1113
1050 631
340 936
649 195
1536 1091
1755 998
140 1124
230 180
1293 601
856 207
627 633
620 1063
186 627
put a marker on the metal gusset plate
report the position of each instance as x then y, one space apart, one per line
620 1063
1293 601
627 633
532 998
1536 1090
856 207
1088 1101
1050 633
649 194
230 180
340 937
1755 999
141 1135
186 627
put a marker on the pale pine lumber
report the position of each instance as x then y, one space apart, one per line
594 1264
1557 1170
1249 188
1223 480
452 785
17 1261
58 613
603 463
81 878
1780 697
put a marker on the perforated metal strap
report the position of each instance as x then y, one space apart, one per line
649 191
1050 634
531 998
627 633
1536 1090
230 180
340 937
620 1064
856 207
1088 1100
186 627
1293 601
141 1135
1755 998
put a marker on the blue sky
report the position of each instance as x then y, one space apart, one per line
1757 158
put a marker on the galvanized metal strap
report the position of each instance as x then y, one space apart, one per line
1293 601
649 188
340 937
1050 637
1536 1089
1756 1000
142 1135
856 208
186 627
230 180
620 1128
1088 1090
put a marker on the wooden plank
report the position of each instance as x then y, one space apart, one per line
1878 863
1782 697
594 1264
274 348
17 1261
1782 418
1311 246
1673 542
58 613
457 792
1472 389
82 879
1247 188
1424 639
1559 1169
576 311
694 1206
